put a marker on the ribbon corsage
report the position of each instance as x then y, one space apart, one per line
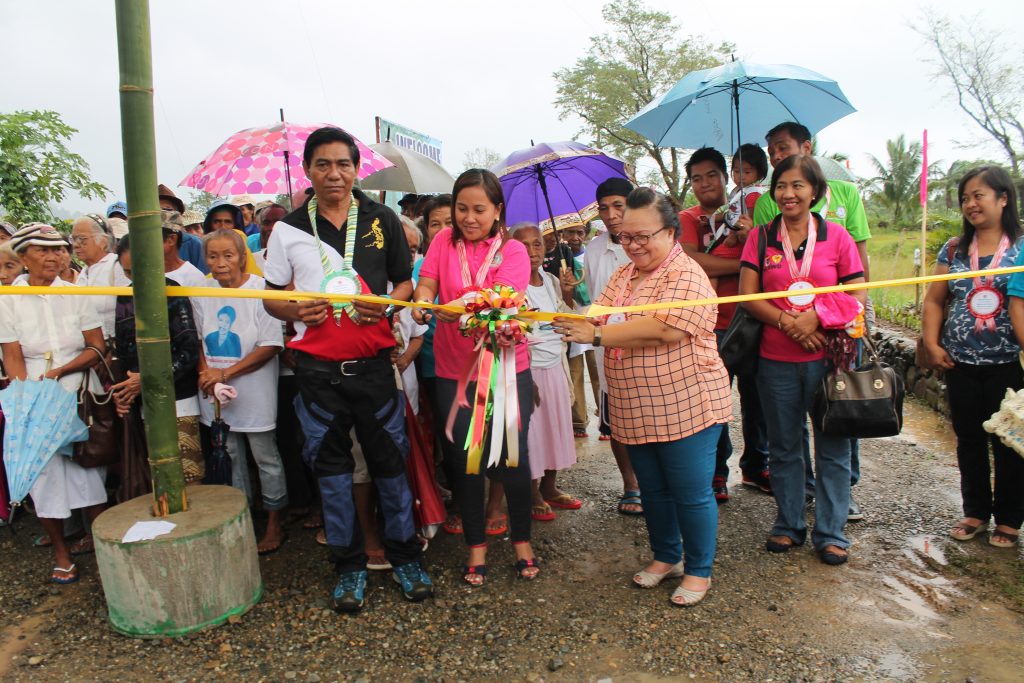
492 321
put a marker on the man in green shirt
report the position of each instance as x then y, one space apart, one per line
842 204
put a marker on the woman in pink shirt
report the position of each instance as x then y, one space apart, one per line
801 250
476 252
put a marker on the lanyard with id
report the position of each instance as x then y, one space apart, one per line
985 301
344 280
799 277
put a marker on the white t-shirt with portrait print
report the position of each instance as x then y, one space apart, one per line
229 330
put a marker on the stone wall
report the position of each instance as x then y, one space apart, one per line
896 347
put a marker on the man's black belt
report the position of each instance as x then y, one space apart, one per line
346 368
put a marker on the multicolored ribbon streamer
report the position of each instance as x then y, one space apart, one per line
492 319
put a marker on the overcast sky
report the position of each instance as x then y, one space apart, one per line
473 74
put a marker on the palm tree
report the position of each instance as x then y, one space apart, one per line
900 178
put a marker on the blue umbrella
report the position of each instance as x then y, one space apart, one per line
739 102
42 420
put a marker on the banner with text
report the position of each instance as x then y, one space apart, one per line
408 138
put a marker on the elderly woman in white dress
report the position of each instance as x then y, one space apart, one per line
47 336
92 238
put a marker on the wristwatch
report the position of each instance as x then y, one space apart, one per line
597 336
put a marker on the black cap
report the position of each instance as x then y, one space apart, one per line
614 187
408 199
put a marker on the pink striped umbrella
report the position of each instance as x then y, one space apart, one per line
253 161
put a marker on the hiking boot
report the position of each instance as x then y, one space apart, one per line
413 579
350 593
758 480
720 489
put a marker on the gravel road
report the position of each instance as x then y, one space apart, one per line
910 605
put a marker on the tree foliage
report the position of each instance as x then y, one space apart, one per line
202 200
480 157
986 72
37 168
640 58
898 181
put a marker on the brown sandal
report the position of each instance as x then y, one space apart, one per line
1003 539
962 531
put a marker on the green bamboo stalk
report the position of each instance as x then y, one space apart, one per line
144 223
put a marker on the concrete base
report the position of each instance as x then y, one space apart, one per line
197 576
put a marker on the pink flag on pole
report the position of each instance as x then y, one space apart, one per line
924 169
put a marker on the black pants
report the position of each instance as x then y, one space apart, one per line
334 398
469 488
302 486
975 392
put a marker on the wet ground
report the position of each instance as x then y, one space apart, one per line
910 606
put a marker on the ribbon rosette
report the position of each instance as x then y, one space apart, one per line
492 321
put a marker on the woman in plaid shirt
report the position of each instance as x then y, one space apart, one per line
668 391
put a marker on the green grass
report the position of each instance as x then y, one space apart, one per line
892 257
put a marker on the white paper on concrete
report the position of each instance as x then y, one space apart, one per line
145 531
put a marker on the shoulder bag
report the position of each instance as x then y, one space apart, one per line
863 403
740 346
99 414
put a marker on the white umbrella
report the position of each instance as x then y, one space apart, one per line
412 172
835 170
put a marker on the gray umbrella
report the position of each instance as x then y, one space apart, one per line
835 170
412 172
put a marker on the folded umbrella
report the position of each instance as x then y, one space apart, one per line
42 421
428 506
218 464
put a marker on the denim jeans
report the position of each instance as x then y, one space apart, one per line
787 393
675 477
268 462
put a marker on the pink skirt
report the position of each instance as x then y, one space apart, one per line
550 438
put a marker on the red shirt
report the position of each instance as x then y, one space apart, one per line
694 233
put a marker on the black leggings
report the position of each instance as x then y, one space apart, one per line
469 488
975 392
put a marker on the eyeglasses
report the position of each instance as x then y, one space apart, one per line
80 239
641 240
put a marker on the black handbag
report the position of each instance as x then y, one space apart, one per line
740 346
863 403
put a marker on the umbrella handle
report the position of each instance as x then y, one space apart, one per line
49 360
216 409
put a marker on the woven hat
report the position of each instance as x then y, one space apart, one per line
171 220
191 217
242 200
36 234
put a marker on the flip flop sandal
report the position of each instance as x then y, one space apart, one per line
42 541
69 575
832 558
604 437
579 433
497 526
1003 539
630 498
542 513
453 525
313 522
564 502
82 546
377 562
965 532
476 570
284 539
523 567
321 537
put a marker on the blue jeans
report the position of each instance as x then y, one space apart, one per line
854 444
675 477
787 393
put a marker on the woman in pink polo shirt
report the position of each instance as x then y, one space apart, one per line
476 252
801 250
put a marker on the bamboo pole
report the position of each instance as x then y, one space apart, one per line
139 144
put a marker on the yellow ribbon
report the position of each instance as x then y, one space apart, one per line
593 312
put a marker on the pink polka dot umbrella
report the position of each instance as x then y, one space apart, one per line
263 160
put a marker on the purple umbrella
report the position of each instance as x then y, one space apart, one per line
553 184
